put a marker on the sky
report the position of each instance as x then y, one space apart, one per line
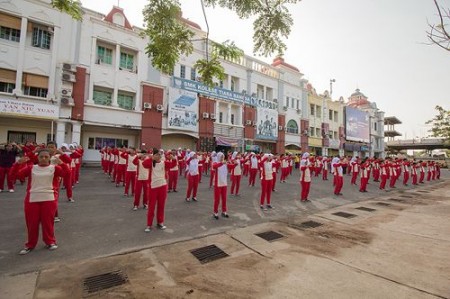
378 46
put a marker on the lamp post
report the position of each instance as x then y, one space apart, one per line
331 87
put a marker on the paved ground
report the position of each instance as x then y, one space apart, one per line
399 250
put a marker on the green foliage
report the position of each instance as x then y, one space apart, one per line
210 69
227 50
70 7
169 37
440 124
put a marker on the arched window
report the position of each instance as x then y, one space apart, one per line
119 19
292 127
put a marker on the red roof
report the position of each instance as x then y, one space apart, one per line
114 10
280 61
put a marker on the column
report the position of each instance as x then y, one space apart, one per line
138 98
60 132
116 79
229 113
52 75
21 56
91 79
76 132
240 121
217 110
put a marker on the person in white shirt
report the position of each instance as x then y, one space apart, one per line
305 176
142 184
193 176
266 169
130 173
220 185
236 173
158 187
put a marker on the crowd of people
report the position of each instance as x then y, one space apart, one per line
148 176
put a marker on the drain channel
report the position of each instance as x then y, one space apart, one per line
270 235
344 214
208 253
365 209
104 281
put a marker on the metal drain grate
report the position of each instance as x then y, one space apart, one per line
306 224
344 214
383 204
208 253
270 235
366 209
104 281
406 196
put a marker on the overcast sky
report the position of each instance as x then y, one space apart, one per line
378 46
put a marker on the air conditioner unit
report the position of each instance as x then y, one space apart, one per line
66 92
159 107
68 101
213 116
280 128
147 105
248 122
205 114
285 108
68 77
68 67
254 122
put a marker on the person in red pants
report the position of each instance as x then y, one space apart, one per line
266 168
365 166
236 173
405 169
220 186
121 167
158 188
354 164
253 169
130 167
173 173
384 171
212 171
192 176
325 163
305 176
393 174
376 170
68 179
414 170
8 154
41 197
142 185
339 175
422 171
276 165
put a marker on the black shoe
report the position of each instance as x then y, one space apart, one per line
174 190
224 214
161 226
216 216
270 207
188 200
194 198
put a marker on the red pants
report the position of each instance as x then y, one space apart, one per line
235 183
284 173
252 178
266 191
67 181
305 190
4 173
181 167
192 185
120 176
339 184
157 199
246 168
211 177
414 179
405 177
77 173
105 166
364 182
173 179
42 213
433 175
392 181
274 180
220 193
325 175
383 181
422 177
354 177
290 170
200 171
141 185
130 180
318 169
110 167
334 179
376 175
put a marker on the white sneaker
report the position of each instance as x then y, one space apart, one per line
11 190
52 247
71 200
135 208
25 251
57 219
148 229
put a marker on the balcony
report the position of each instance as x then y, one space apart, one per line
228 130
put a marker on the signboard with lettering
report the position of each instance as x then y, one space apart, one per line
183 110
266 124
24 108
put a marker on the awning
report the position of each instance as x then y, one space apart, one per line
226 141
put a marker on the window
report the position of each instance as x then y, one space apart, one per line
311 131
104 55
335 116
220 117
182 71
127 61
318 133
221 83
50 137
318 111
335 135
102 97
35 85
330 114
287 102
194 74
35 91
98 143
41 38
292 127
313 111
21 137
298 104
7 87
233 86
125 101
375 126
292 102
10 34
232 119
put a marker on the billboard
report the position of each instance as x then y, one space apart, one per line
183 110
357 125
266 124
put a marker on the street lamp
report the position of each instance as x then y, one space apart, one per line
331 86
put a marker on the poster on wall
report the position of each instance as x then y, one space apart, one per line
266 124
356 125
183 110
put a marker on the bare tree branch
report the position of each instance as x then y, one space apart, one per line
438 35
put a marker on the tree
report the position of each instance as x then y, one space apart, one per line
71 7
438 34
440 124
